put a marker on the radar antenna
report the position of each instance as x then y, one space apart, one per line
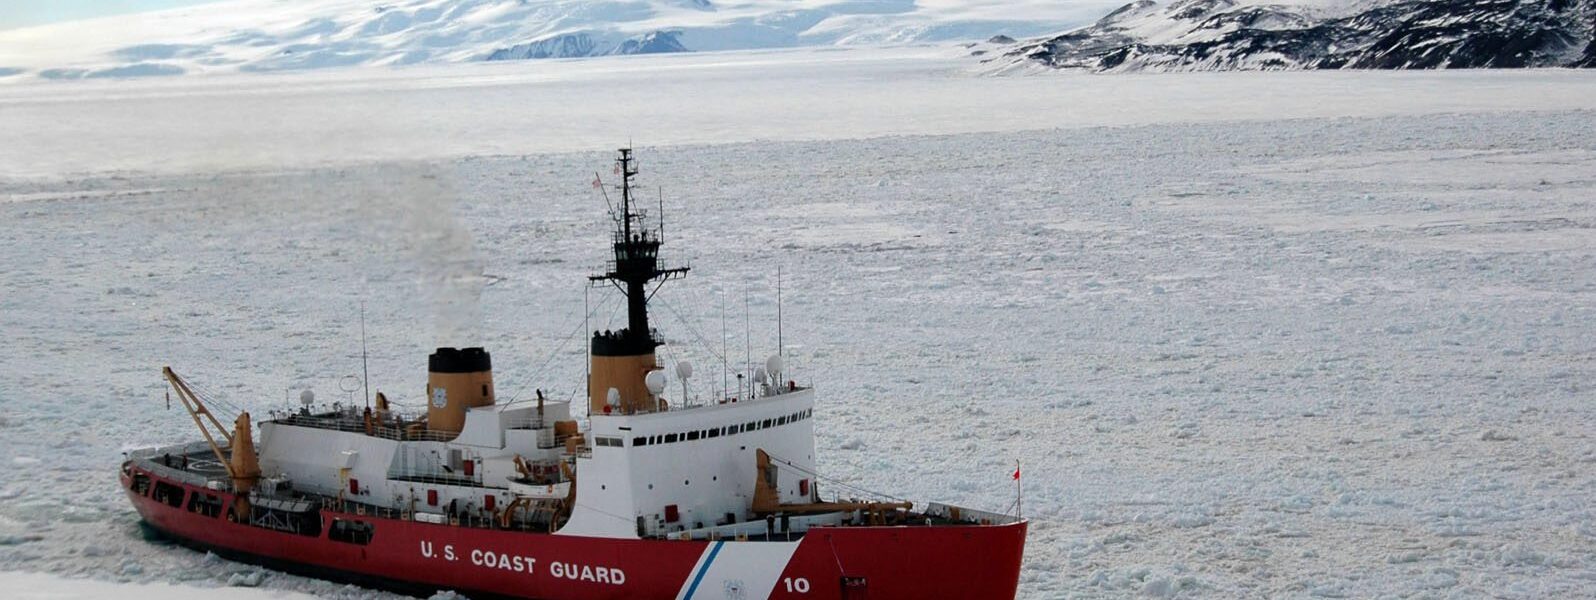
636 261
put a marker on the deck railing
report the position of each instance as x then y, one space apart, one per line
357 425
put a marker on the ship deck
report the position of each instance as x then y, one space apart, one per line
196 465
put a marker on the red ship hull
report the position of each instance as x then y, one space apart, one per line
909 562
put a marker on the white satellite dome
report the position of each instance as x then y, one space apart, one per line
613 398
655 380
760 375
307 398
684 370
774 366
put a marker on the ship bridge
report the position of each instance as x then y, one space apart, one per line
669 472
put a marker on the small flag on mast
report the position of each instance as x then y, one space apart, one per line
1017 491
597 185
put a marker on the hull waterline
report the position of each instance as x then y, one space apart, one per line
413 557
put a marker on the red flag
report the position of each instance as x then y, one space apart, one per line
1016 473
597 185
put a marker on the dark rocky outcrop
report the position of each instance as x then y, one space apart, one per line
1194 35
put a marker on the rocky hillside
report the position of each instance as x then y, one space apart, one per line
572 45
1213 35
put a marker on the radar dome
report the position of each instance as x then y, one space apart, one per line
307 398
613 398
684 370
655 380
759 375
774 366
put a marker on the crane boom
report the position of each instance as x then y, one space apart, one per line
195 408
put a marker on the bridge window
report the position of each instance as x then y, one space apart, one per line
692 435
640 441
714 432
670 438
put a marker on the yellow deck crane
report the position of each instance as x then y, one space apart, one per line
237 455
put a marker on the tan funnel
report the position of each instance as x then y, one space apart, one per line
457 380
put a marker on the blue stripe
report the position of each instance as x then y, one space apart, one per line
703 570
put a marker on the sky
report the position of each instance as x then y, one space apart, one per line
24 13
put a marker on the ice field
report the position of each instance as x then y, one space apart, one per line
1250 336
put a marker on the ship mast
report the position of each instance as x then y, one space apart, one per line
622 358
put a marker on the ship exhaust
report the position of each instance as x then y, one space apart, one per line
458 379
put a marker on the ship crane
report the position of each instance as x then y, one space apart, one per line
238 455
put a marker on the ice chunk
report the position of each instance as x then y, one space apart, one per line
249 579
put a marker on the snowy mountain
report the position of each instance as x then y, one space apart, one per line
573 45
278 35
1204 35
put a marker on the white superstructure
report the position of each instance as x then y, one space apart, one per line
664 472
640 475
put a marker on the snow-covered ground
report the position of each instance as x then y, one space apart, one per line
1245 344
358 116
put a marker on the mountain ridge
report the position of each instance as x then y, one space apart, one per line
1218 35
277 35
